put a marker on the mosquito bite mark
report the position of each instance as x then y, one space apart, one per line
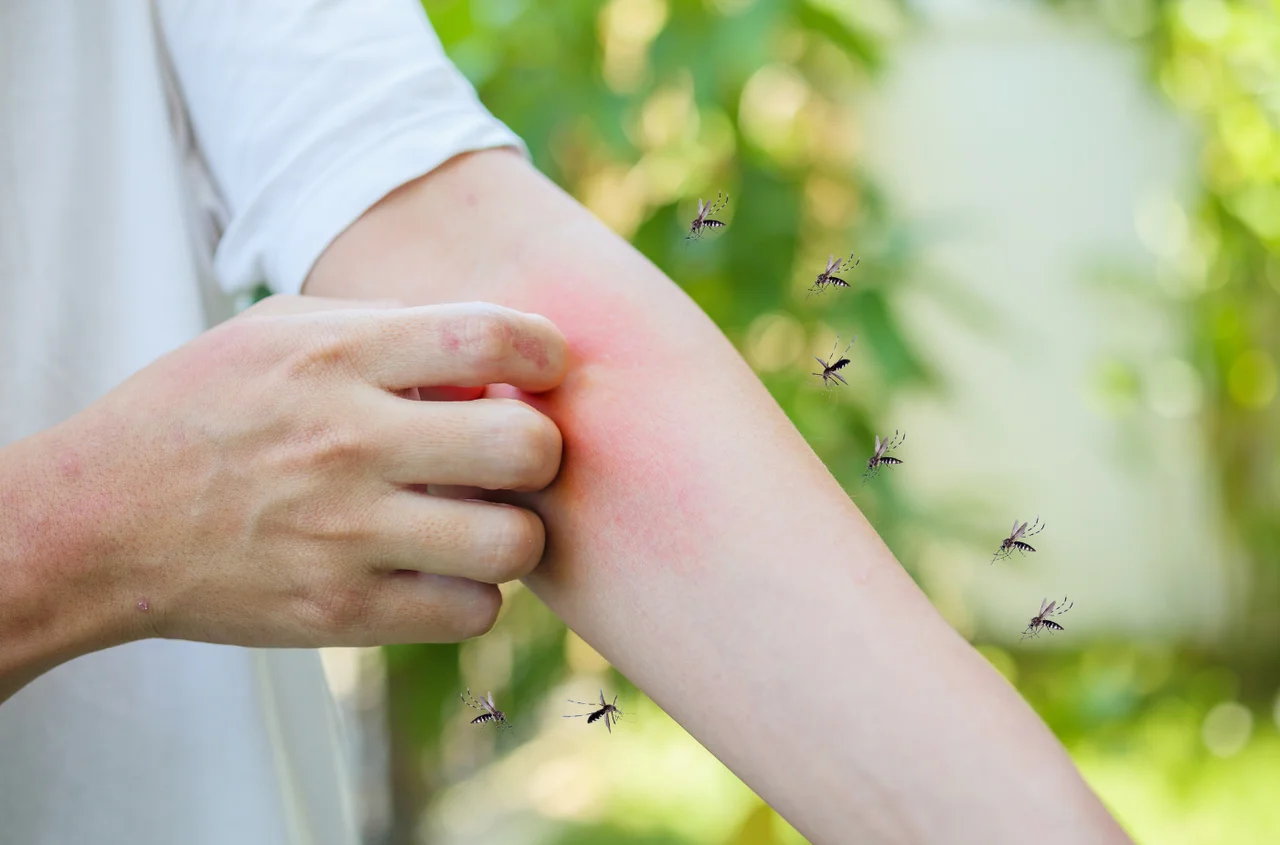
143 606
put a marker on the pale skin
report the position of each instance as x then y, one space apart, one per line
691 536
262 486
698 543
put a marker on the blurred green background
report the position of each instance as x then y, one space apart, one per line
640 107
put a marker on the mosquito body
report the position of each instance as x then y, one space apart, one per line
489 711
610 713
828 278
704 220
1016 539
880 458
832 366
1042 622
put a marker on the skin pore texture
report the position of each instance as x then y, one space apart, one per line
697 542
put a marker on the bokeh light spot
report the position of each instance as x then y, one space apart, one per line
1252 380
774 341
1208 20
771 100
1226 728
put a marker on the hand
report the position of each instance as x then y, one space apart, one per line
262 485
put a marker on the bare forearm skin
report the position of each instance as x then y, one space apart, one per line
698 543
56 602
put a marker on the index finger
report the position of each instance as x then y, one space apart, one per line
468 344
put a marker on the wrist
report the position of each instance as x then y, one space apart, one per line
59 595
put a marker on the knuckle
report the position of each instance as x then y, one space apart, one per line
323 350
487 336
326 444
338 608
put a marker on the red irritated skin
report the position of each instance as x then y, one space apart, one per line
696 541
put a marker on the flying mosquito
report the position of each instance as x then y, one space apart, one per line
611 713
831 367
489 710
704 220
1015 539
1042 622
880 459
828 278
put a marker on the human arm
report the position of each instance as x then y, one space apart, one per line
258 486
697 542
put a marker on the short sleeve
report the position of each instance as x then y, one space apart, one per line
308 112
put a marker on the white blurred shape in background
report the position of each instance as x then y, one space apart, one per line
1030 150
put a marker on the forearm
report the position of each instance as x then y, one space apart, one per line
56 601
697 542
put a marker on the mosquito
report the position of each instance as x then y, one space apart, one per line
828 278
1041 620
879 458
1015 539
704 219
489 710
831 368
611 713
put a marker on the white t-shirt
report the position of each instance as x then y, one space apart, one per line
134 139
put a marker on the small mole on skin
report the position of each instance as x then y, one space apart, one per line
143 606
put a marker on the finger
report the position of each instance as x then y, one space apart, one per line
464 345
483 541
497 444
413 607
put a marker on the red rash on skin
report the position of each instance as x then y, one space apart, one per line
631 478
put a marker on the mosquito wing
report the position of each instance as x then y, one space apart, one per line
492 706
1048 609
1043 604
1018 531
